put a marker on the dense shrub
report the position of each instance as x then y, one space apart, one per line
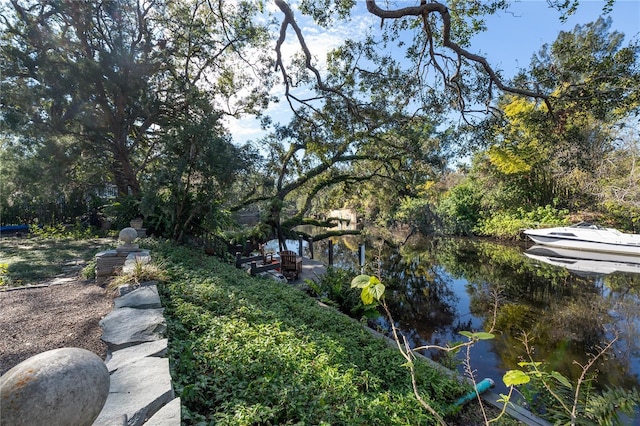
60 231
459 210
253 351
509 225
334 288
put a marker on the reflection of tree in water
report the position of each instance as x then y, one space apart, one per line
345 252
418 294
567 315
623 293
488 266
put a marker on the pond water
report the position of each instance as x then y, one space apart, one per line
436 288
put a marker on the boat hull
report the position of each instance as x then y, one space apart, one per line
588 237
585 245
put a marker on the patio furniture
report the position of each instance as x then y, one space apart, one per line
290 264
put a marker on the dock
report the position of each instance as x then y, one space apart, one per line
311 270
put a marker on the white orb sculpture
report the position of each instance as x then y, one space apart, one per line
128 235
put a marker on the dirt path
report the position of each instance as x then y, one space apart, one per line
34 320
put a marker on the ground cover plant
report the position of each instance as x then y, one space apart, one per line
31 260
253 351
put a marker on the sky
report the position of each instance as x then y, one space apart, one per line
512 39
508 44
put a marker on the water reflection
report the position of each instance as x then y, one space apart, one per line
439 287
585 262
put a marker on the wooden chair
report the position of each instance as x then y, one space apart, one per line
290 264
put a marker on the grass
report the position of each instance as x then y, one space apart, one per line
31 260
140 273
247 351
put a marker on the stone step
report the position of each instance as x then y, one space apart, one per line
169 415
126 327
141 298
115 360
138 390
141 390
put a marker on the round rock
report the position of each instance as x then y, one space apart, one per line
66 386
128 235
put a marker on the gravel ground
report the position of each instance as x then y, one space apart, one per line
38 319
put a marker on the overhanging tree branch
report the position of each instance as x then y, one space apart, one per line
423 10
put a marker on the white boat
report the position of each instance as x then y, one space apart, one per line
581 261
587 236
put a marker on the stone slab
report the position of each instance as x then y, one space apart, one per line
128 288
125 249
134 258
139 254
126 327
111 260
106 254
138 390
141 298
117 359
169 415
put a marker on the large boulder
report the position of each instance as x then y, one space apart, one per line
67 386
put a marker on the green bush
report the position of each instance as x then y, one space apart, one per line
623 216
509 225
121 211
60 232
459 210
89 271
334 288
4 274
550 395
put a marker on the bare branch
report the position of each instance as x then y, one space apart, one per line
289 20
423 10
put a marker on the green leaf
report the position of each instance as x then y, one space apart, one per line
515 378
361 281
503 398
559 377
529 364
481 335
366 296
377 291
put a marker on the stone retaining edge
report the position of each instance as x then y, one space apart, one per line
141 390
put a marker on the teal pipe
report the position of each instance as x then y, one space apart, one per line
482 387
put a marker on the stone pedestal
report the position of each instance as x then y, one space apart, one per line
137 225
109 261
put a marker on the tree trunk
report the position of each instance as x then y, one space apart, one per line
274 222
125 178
123 171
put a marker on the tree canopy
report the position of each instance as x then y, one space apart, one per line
134 93
564 157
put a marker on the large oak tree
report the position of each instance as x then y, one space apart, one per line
112 73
